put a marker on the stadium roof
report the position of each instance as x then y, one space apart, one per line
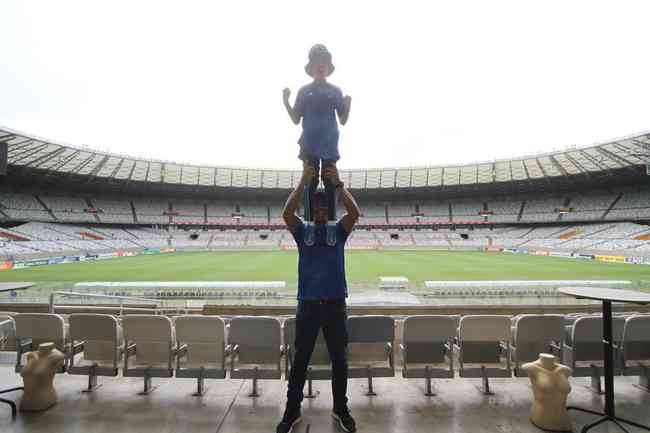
26 151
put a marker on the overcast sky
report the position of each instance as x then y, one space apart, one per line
431 82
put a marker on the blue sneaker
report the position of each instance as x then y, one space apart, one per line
331 233
310 234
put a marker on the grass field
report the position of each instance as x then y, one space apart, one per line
362 267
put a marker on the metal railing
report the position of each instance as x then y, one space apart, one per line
122 299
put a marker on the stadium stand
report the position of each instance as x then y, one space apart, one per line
24 207
633 204
220 213
188 212
59 237
64 208
589 207
151 212
372 340
542 209
435 212
503 210
205 348
466 211
589 199
113 211
373 214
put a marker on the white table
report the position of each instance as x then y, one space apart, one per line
607 296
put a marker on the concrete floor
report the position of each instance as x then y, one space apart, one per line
400 406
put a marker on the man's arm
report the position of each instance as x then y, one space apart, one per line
352 209
293 113
289 212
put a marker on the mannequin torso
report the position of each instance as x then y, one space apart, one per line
550 382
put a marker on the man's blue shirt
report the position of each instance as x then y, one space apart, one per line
317 103
321 268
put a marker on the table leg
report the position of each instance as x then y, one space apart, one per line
9 402
608 359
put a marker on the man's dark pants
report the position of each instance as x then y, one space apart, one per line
331 315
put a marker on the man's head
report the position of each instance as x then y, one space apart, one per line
319 207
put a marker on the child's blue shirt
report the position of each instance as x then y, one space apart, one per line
317 103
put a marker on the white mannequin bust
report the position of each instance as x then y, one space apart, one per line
550 381
38 377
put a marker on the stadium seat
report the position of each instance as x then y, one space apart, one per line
33 329
635 349
533 334
256 349
583 347
319 363
7 332
483 346
8 343
98 341
427 348
370 348
150 341
201 348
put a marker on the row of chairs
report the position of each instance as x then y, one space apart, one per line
252 347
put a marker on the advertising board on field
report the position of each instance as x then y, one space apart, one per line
637 260
105 256
583 256
54 260
70 259
29 263
6 265
611 259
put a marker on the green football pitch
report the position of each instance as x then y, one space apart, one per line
363 267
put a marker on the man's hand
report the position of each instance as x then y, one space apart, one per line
286 92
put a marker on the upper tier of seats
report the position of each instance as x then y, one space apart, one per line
25 151
624 204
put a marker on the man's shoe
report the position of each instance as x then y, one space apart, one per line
345 421
289 421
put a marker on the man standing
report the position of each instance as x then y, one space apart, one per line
322 290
